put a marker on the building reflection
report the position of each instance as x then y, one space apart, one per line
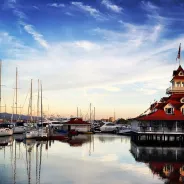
79 140
166 162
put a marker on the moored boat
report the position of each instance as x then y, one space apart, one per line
6 129
124 130
31 134
19 128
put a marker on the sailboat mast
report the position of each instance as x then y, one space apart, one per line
0 83
38 100
114 115
41 105
77 112
31 100
94 113
16 87
90 112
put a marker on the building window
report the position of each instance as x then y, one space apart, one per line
169 110
182 100
178 84
181 73
182 110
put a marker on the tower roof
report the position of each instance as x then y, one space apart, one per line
176 72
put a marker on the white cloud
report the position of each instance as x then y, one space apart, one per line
147 91
56 5
86 45
88 9
19 14
149 6
115 65
36 7
111 6
37 36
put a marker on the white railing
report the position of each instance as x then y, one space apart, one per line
149 129
174 89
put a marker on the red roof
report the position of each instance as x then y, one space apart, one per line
158 112
77 121
178 77
176 72
161 115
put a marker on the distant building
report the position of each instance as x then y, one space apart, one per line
111 119
105 120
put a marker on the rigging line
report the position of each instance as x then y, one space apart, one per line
23 104
13 106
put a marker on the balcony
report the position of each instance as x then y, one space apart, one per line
171 90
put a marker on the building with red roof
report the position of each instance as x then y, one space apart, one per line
165 116
77 124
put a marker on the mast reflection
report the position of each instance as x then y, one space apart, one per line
166 162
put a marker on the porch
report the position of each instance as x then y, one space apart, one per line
159 127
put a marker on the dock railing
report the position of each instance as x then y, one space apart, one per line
158 129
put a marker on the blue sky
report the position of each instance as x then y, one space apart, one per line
115 54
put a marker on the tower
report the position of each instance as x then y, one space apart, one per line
177 82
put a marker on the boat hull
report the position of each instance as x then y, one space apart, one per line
19 130
6 132
125 132
32 135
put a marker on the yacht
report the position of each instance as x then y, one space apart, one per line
109 127
19 128
124 130
32 134
6 129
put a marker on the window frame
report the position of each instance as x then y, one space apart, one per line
172 110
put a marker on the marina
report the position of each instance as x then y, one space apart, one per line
91 92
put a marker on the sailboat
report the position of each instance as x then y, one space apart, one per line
42 132
19 126
5 129
32 133
37 133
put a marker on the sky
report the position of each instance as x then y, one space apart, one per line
118 55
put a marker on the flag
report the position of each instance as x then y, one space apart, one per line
179 51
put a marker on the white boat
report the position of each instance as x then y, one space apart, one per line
108 127
19 128
32 134
5 129
124 130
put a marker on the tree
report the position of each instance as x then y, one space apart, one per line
122 121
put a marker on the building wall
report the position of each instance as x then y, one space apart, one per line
81 128
135 125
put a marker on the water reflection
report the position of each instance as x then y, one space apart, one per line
92 159
166 162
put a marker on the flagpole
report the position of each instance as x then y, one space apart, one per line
180 54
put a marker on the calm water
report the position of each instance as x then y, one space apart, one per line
88 159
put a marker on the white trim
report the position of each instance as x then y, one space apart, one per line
180 73
181 100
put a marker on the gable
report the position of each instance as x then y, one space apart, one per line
168 106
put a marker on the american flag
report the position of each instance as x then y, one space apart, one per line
179 51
